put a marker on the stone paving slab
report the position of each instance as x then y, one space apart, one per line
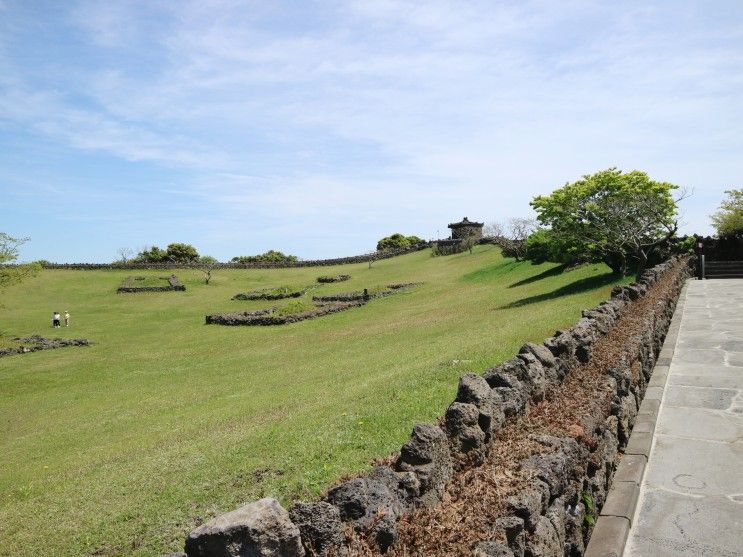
691 498
676 525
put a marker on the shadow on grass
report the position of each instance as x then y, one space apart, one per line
493 272
576 287
553 272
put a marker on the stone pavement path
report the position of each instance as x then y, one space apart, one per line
691 499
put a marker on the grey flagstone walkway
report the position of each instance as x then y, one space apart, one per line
691 499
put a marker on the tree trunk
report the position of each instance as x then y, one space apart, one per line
618 263
642 262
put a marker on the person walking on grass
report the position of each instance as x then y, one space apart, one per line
66 318
55 319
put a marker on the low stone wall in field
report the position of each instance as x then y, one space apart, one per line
557 483
35 343
265 317
365 295
324 305
270 294
130 285
333 278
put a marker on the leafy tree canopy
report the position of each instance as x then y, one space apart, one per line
398 241
175 253
182 253
12 274
728 220
611 216
270 255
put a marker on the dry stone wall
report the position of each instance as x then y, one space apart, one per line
265 317
552 514
35 343
365 258
130 285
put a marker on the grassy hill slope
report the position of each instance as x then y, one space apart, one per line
123 446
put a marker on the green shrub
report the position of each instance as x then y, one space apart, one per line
333 278
269 256
294 307
587 498
397 241
272 293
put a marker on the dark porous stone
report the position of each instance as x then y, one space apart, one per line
496 378
584 333
526 505
555 468
260 529
562 345
541 352
513 527
319 524
373 503
360 497
622 374
424 444
513 400
517 368
543 489
474 389
544 542
627 411
491 549
427 456
618 293
603 319
541 378
574 527
507 389
463 427
556 515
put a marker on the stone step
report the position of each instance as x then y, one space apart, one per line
723 269
724 264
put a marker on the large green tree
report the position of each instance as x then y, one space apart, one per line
398 241
728 220
9 272
182 253
269 256
611 216
175 253
151 255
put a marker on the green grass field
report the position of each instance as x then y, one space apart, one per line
121 447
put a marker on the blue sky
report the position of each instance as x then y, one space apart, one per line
316 128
